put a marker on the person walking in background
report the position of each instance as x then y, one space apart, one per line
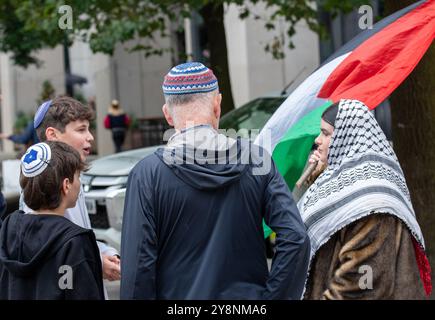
27 137
117 121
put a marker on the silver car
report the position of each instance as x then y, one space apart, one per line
104 185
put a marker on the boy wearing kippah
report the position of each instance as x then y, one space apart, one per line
67 120
42 254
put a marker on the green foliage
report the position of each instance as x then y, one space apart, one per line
47 92
78 95
134 122
24 31
21 121
29 25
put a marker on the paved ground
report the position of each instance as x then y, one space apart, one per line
112 289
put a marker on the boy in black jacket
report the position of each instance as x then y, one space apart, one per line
43 255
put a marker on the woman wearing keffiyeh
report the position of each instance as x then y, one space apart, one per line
365 240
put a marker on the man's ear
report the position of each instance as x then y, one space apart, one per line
51 134
168 116
217 106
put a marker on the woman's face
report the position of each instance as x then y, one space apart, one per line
324 139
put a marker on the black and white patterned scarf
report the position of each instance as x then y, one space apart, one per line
363 177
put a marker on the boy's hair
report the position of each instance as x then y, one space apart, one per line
63 110
44 190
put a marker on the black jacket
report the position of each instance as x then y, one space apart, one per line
2 206
194 231
38 254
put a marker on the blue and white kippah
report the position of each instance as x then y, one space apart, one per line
40 113
187 78
35 160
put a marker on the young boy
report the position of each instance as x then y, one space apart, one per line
42 254
67 120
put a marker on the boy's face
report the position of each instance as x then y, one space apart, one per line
77 135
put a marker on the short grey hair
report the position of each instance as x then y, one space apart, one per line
192 98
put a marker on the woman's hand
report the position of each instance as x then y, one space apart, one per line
315 157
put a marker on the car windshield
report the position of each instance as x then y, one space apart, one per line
252 115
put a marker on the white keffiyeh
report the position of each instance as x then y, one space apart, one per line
363 177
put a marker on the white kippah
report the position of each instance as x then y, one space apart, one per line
35 160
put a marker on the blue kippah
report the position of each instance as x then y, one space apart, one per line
190 77
40 113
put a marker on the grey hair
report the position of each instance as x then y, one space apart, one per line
192 98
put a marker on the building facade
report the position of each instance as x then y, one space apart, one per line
136 81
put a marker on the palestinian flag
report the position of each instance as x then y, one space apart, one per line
368 68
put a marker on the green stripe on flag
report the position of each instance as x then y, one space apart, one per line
291 152
267 231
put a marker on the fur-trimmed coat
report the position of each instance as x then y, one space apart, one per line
379 244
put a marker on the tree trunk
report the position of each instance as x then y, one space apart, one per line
213 16
413 117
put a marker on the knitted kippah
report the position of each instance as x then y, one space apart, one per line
35 160
40 113
187 78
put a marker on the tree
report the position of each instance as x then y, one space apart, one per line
29 25
413 117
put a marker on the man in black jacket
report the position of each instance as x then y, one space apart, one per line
192 225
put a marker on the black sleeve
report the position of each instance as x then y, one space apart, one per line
86 284
83 257
139 240
290 262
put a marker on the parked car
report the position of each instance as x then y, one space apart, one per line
105 182
252 115
9 180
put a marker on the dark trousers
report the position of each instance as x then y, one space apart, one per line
118 137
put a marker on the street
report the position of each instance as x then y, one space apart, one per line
112 289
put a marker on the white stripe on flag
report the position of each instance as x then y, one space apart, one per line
299 103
